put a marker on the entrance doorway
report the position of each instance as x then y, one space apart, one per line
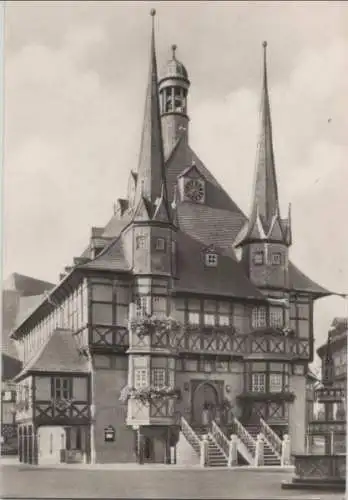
205 404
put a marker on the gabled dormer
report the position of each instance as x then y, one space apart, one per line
192 185
265 238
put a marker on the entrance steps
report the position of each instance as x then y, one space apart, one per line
269 456
218 444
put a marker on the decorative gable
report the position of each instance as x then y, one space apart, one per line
192 185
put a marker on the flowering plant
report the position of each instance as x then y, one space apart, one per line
147 394
146 325
287 331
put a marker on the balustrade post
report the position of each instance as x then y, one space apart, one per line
259 451
286 451
233 451
204 451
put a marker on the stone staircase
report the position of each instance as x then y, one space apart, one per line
269 456
216 457
220 451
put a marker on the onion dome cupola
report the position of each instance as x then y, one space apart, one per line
173 90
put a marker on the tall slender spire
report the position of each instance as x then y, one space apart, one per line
265 222
265 189
151 184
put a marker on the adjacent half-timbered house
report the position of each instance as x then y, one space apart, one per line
181 312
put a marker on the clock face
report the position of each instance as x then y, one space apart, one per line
194 189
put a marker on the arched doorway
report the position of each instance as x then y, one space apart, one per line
205 404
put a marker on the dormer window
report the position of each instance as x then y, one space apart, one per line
211 259
160 244
276 259
258 258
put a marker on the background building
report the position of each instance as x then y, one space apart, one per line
19 294
177 245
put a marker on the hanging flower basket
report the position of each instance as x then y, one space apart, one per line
146 325
148 394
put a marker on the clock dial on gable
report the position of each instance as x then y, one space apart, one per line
192 185
194 190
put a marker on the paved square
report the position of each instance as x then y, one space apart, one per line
22 481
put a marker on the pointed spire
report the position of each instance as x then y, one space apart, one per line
151 175
265 190
265 212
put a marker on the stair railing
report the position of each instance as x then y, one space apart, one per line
191 436
220 439
271 437
246 438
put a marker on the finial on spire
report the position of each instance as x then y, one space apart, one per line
264 44
152 12
174 47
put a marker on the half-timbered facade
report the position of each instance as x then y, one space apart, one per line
179 308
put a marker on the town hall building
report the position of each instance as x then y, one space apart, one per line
181 318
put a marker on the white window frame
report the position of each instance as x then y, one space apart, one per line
193 318
223 320
209 319
258 382
275 382
276 317
276 259
158 376
61 388
140 378
259 258
211 259
259 317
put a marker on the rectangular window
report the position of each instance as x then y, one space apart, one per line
140 378
258 382
102 293
259 318
275 382
276 259
140 242
211 259
158 377
61 388
102 314
276 317
159 305
193 318
224 320
209 319
160 244
258 258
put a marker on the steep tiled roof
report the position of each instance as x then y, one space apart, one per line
26 285
59 354
111 258
9 367
26 305
300 282
226 279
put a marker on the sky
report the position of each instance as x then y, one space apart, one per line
75 80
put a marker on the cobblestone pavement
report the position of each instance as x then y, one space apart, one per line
31 482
